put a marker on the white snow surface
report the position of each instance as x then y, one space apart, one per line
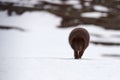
42 52
93 14
101 8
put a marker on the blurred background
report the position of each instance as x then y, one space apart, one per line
34 39
102 13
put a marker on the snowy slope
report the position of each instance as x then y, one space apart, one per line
42 52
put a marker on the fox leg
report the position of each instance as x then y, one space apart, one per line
80 53
76 54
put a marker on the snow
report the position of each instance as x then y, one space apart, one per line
21 1
104 35
93 14
74 3
101 8
42 52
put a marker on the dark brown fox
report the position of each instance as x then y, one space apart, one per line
79 41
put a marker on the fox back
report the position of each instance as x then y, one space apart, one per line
79 40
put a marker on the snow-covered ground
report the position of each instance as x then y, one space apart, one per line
42 52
